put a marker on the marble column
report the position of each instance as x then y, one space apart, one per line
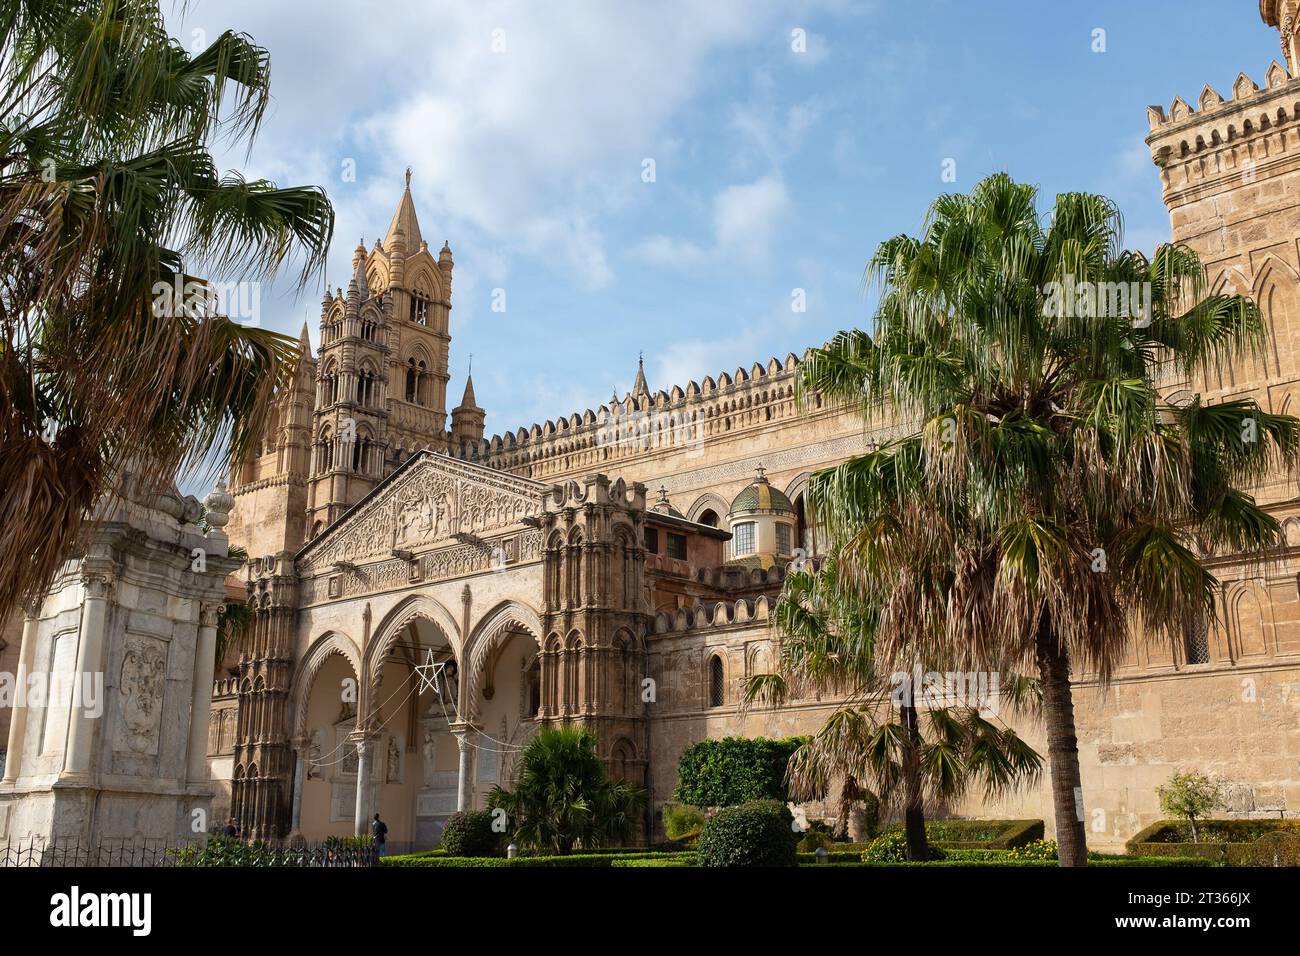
205 663
90 662
18 719
465 777
362 823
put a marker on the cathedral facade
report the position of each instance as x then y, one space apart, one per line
424 597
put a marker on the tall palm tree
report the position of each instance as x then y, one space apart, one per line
108 197
562 797
911 758
1042 476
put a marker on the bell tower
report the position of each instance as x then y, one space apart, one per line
382 373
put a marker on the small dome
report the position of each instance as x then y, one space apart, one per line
761 496
663 506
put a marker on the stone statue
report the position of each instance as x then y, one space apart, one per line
430 752
314 756
393 772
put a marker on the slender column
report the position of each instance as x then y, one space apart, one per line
18 719
465 778
364 747
299 772
205 653
90 661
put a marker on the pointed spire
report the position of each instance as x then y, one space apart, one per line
405 221
359 281
640 388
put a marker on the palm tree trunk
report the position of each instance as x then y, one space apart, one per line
914 813
1062 746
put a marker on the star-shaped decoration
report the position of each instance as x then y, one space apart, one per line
429 673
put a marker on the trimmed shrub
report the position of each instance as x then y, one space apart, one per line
469 833
983 834
734 770
759 833
814 839
891 847
1223 841
682 822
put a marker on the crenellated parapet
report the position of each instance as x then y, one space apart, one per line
640 423
703 617
1201 146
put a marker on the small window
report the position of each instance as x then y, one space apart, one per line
717 682
1196 641
743 541
677 546
652 540
709 517
783 538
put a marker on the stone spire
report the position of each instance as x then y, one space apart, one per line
639 387
405 221
467 418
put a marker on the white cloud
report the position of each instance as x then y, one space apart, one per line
745 217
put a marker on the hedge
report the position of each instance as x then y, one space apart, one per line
734 770
1169 838
983 834
597 860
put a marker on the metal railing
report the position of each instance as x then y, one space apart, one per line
217 852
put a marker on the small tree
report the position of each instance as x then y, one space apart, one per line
563 798
1190 796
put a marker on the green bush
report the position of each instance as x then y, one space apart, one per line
891 847
681 822
734 770
589 860
469 833
760 833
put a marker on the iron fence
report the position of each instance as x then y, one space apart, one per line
35 852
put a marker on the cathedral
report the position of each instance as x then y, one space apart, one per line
424 596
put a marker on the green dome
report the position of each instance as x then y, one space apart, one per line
761 496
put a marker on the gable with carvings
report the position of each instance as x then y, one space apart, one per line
428 502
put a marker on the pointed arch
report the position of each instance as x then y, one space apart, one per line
492 630
325 647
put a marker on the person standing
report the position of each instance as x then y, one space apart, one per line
379 832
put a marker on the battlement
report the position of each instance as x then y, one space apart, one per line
701 616
1219 137
639 423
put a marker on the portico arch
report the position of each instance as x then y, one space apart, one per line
332 642
414 608
493 630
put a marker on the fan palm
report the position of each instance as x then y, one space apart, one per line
911 759
107 194
1044 496
562 797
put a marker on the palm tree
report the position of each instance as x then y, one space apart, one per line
562 797
108 194
828 641
1042 477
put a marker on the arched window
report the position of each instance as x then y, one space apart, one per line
369 329
416 375
717 682
419 308
709 517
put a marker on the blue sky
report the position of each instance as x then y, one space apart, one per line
773 170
